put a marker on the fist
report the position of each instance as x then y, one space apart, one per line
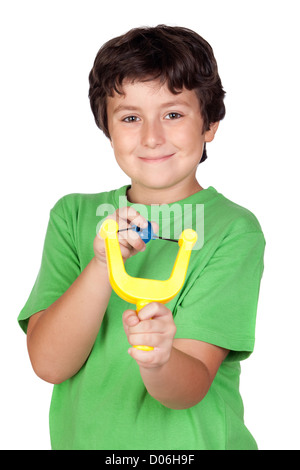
153 326
129 240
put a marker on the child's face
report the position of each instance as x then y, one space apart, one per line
157 137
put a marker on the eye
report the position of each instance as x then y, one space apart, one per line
173 115
131 119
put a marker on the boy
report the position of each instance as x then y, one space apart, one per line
157 95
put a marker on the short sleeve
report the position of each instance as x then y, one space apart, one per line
220 307
59 267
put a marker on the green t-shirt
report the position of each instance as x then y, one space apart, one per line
106 405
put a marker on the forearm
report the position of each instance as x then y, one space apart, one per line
180 383
62 337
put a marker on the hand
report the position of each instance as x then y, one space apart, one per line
130 242
153 326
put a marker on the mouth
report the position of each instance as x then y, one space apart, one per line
158 159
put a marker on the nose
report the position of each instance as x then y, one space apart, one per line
152 134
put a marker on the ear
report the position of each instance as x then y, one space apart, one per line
210 134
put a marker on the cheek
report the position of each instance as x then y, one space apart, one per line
123 144
190 140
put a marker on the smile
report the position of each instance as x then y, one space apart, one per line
159 159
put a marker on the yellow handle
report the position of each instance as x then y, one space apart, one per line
141 291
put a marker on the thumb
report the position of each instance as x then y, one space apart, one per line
130 318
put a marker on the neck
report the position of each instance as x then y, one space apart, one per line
139 194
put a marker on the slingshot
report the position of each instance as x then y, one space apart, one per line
141 291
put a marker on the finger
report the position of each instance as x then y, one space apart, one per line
144 327
124 217
131 216
136 218
148 359
132 242
147 339
155 227
120 216
130 318
153 310
143 355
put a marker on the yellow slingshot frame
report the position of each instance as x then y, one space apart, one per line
141 291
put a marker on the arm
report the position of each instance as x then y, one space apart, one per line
178 373
60 338
186 378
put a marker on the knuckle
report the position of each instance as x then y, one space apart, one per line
141 339
140 221
121 211
125 252
156 306
132 213
120 214
136 241
146 325
127 313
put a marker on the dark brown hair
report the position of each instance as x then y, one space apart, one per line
172 54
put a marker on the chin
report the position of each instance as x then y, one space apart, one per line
157 185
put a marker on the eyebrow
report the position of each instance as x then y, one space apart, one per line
178 102
122 107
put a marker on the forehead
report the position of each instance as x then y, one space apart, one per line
150 93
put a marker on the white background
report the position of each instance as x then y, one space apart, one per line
50 146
